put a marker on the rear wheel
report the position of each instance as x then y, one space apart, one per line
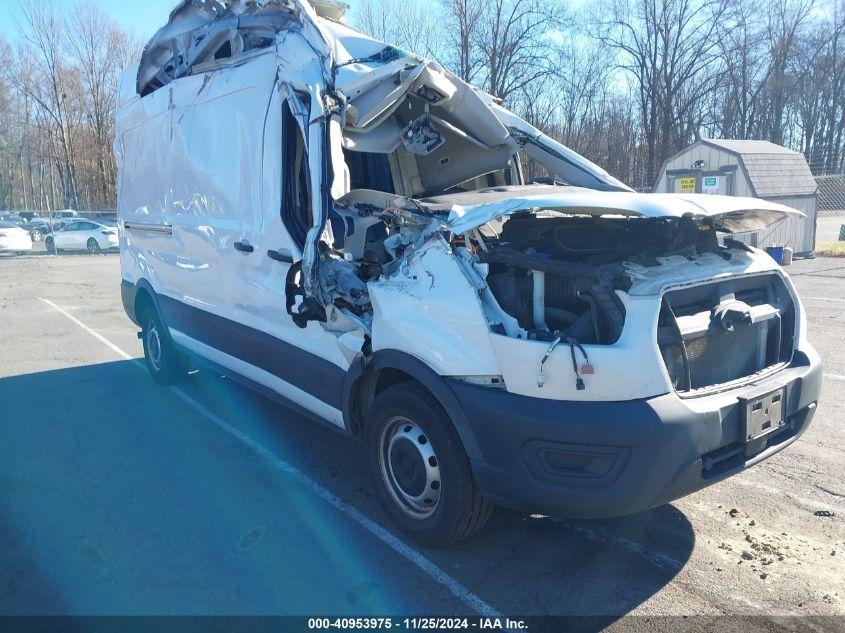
50 244
164 361
94 247
37 236
420 469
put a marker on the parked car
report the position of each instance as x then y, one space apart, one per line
28 216
57 221
38 229
370 253
14 218
60 219
14 239
83 235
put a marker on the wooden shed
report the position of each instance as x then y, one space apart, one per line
756 169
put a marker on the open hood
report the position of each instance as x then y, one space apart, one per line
468 211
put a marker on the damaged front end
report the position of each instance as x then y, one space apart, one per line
398 131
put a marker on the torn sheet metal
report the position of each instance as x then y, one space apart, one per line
569 166
736 215
677 270
198 30
205 32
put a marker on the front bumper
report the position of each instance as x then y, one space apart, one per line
611 459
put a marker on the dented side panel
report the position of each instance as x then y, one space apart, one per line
184 170
431 311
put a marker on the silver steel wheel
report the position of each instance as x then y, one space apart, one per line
410 468
154 346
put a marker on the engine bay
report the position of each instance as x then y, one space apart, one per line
541 274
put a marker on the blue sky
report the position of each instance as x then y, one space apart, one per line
144 16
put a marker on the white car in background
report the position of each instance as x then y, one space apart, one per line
14 239
83 235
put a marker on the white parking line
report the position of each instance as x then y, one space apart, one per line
824 299
409 553
836 377
97 336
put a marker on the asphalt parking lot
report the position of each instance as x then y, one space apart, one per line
118 496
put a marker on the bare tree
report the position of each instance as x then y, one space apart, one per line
738 106
45 79
516 43
785 21
100 49
413 26
669 48
820 93
462 21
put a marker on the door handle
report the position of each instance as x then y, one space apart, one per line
244 247
282 256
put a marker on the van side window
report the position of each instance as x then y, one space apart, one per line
369 171
296 201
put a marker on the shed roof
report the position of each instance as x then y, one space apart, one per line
774 171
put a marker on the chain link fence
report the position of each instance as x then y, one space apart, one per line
830 225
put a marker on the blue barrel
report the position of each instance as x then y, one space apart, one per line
776 253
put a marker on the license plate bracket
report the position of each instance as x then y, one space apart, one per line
763 415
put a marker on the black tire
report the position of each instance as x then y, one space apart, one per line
406 427
50 245
37 236
94 247
166 365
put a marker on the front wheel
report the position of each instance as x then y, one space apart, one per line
37 236
165 363
50 244
420 469
94 247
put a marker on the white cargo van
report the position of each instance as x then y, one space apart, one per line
347 227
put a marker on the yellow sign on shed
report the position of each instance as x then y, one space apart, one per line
688 185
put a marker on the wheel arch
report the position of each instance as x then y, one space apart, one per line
368 378
138 296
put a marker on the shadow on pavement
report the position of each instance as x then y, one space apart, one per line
158 488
